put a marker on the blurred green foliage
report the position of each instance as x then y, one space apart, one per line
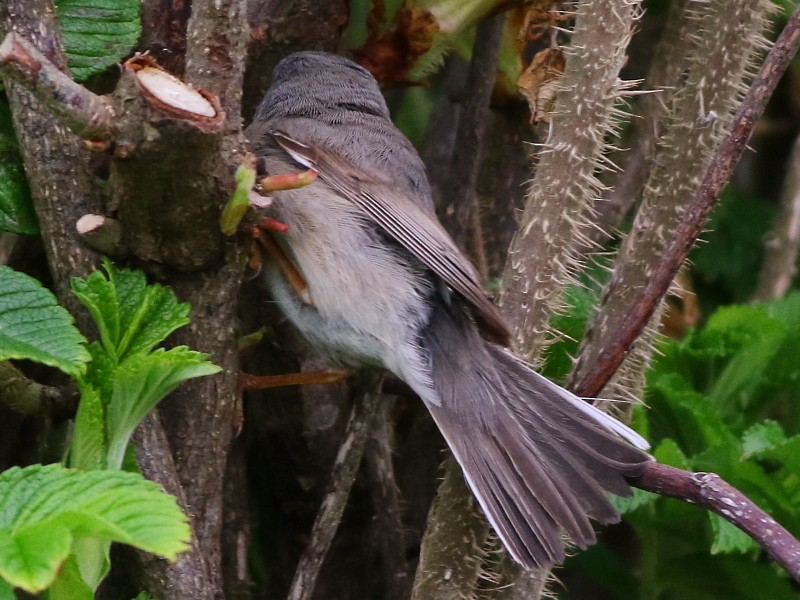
722 399
726 263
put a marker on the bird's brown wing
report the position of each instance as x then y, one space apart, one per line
401 218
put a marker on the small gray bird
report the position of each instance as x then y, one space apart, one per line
389 288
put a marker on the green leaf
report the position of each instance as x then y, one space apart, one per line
34 327
731 258
92 557
753 339
30 556
761 437
669 453
43 509
16 206
637 499
131 315
729 539
239 202
140 383
97 33
88 449
69 584
6 591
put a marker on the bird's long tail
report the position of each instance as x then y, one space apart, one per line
539 460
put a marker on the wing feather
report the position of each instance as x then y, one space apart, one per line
402 219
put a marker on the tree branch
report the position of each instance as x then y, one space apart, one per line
90 116
390 533
710 491
55 160
27 397
460 215
188 577
343 474
783 242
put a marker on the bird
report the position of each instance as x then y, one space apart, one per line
389 288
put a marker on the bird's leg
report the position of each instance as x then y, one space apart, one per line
263 232
287 268
260 382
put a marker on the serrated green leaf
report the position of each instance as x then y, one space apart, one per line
97 33
131 316
88 448
686 416
30 555
140 383
669 453
729 539
44 508
637 499
16 206
761 437
753 339
34 327
787 455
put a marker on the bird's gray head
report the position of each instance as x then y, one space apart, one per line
316 84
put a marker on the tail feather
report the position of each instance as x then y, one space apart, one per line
539 464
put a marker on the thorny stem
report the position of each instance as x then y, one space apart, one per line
703 488
703 201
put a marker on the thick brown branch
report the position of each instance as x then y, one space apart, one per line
712 492
343 475
90 116
188 577
26 397
703 201
216 42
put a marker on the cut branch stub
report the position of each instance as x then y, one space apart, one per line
169 202
171 98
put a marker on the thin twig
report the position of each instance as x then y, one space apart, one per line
703 201
343 474
90 116
783 242
460 217
710 491
389 527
